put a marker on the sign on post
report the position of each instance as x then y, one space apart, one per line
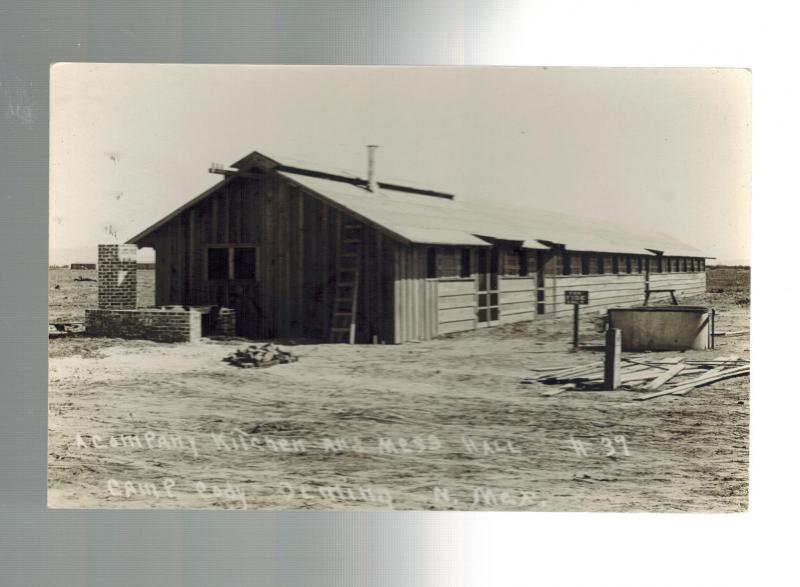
577 298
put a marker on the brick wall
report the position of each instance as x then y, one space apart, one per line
157 324
116 276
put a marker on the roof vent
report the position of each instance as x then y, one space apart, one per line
372 184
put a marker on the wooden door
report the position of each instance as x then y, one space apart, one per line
488 287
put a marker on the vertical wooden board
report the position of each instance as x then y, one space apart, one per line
174 276
235 211
291 264
419 285
411 313
434 309
306 250
216 227
193 242
399 297
408 271
225 203
284 302
387 289
324 266
162 269
419 293
264 200
180 261
252 219
413 284
300 256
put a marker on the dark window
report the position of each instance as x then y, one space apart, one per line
431 265
660 264
614 264
628 264
218 263
585 268
466 263
702 264
244 263
638 264
601 263
522 258
683 263
566 264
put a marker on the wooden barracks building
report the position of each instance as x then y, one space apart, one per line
305 253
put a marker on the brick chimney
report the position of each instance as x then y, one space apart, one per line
116 276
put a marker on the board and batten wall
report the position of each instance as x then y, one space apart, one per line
415 311
295 234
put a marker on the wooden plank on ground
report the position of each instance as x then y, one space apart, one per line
666 376
572 370
721 375
711 377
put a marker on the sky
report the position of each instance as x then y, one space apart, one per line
656 149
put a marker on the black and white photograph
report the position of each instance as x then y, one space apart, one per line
399 288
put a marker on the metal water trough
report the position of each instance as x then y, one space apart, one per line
664 328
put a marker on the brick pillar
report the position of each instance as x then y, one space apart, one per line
116 276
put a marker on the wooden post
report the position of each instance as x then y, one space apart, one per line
611 379
575 322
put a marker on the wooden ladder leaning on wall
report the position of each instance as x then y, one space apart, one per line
345 304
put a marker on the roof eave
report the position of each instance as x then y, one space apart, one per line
177 212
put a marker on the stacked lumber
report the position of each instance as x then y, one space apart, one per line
649 376
265 355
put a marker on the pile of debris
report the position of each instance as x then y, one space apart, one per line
652 377
265 355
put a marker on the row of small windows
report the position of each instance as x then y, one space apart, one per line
237 262
523 262
600 263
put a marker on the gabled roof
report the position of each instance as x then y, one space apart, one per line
413 215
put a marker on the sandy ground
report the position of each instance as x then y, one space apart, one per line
443 424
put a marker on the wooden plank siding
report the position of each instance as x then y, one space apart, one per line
294 234
605 291
685 284
518 297
620 290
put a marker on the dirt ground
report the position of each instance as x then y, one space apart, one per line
443 424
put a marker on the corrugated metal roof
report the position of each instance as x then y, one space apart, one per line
427 220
